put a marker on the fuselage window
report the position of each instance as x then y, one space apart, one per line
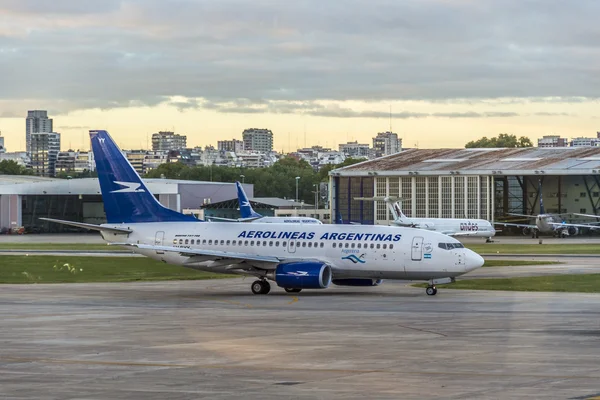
264 242
391 246
252 243
347 244
271 243
245 243
353 245
180 241
358 246
258 242
210 242
191 241
187 241
276 244
203 241
372 245
309 244
378 245
384 246
333 245
303 244
222 242
174 241
229 241
341 245
323 244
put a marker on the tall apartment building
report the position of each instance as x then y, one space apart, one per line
44 152
37 121
168 141
552 141
386 143
260 140
355 149
230 145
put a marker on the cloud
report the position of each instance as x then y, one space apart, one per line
119 53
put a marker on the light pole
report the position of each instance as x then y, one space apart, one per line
243 178
316 192
297 179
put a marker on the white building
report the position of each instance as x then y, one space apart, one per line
585 142
355 149
165 141
552 141
260 140
44 149
233 145
2 148
386 143
37 122
20 157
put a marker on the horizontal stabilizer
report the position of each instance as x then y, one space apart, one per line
233 219
92 227
382 198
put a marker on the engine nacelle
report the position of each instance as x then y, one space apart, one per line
573 230
357 282
303 275
526 231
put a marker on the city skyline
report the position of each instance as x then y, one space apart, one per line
451 71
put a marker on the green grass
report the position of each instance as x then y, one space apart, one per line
585 283
566 248
517 263
49 269
59 246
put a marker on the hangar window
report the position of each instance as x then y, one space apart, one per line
596 194
582 194
582 210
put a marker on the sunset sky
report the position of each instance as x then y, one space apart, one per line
451 70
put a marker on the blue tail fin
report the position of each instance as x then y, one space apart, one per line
246 210
542 211
126 198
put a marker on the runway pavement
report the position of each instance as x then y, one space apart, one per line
215 340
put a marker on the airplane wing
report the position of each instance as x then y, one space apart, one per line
234 219
517 225
454 233
586 215
92 227
566 225
522 215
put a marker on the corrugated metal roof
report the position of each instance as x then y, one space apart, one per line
505 161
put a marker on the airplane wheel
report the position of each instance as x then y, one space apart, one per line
291 290
431 290
260 287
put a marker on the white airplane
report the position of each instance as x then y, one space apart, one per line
294 257
548 223
447 226
248 214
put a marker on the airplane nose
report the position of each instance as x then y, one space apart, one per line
474 261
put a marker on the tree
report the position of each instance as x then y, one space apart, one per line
11 167
503 140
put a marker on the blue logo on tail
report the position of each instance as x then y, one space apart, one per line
246 210
354 258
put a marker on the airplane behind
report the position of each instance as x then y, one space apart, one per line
548 223
247 213
294 257
448 226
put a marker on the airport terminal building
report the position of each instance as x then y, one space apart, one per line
472 183
24 199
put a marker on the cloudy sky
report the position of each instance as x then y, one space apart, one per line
450 70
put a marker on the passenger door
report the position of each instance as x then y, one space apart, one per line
159 239
416 253
292 246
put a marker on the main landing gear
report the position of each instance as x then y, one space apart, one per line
260 287
431 290
291 290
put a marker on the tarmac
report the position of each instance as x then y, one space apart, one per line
215 340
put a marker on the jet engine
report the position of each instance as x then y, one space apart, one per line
573 230
526 231
303 275
357 282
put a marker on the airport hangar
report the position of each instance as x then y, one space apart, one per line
23 199
472 183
